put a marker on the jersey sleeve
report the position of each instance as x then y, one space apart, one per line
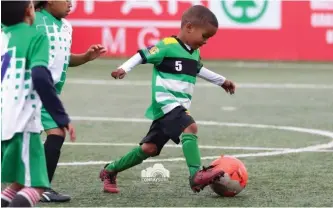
200 64
39 51
153 54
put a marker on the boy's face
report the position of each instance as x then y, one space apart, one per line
30 13
60 9
198 35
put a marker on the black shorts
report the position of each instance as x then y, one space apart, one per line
170 126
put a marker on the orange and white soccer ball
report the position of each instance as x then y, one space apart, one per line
234 179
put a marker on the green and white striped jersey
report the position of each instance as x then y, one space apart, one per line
59 33
174 75
22 48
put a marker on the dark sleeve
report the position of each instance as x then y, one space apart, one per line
43 84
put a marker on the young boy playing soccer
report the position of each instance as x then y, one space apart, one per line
26 84
50 18
176 63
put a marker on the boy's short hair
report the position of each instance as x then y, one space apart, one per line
13 12
199 15
40 4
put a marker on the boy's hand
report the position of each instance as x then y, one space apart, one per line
118 74
229 86
94 51
71 130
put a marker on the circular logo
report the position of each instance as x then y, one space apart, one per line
244 11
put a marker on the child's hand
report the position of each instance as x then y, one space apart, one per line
229 86
71 130
94 51
118 74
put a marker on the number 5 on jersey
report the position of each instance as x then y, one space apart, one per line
178 65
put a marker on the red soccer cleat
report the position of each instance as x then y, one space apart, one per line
204 177
109 181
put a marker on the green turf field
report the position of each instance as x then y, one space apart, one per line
279 123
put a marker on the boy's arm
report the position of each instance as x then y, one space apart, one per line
211 76
43 84
77 59
131 63
92 53
127 66
38 58
217 79
152 54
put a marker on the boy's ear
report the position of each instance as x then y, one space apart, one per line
189 27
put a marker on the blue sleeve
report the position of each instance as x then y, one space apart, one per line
43 84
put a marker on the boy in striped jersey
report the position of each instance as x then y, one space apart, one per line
176 63
26 84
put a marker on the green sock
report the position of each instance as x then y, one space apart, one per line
133 158
191 152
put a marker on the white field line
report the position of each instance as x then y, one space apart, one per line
173 146
213 123
239 85
245 64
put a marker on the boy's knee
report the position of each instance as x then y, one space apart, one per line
192 129
150 149
56 131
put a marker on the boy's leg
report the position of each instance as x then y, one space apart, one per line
9 194
151 145
27 197
191 152
24 165
109 173
179 121
199 179
8 158
21 196
53 144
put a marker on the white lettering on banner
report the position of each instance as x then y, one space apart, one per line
88 5
250 14
154 5
322 4
129 5
329 36
114 44
144 32
173 5
322 20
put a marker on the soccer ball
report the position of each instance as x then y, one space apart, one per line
234 179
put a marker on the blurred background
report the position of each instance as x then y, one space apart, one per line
248 30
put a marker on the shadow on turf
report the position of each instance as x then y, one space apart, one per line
237 197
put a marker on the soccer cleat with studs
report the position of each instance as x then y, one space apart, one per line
109 179
204 177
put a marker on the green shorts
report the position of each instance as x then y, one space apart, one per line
23 161
47 120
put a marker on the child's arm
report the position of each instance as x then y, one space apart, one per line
217 79
211 76
92 53
150 55
43 84
131 63
42 81
127 66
